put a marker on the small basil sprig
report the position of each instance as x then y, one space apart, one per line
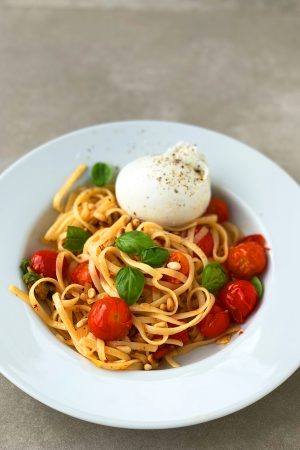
102 173
257 283
25 263
134 242
130 284
31 277
214 277
154 256
76 238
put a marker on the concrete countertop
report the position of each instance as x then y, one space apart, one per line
233 66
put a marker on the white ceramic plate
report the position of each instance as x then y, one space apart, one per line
213 381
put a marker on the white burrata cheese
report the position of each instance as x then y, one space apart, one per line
170 189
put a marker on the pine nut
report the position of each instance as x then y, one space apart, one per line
135 222
91 293
170 304
160 325
147 367
163 307
83 296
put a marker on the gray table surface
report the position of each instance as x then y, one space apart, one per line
233 66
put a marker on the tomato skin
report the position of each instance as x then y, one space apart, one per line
206 243
219 207
240 298
185 267
215 323
162 351
182 336
246 260
81 274
110 319
44 262
258 238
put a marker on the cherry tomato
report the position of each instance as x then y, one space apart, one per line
181 336
162 351
206 243
110 319
185 268
246 260
258 238
81 274
44 262
239 297
215 323
219 207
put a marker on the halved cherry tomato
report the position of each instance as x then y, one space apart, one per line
44 262
258 238
110 319
219 207
206 242
162 351
246 260
183 261
240 297
81 274
215 323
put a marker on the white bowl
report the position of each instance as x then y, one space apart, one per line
213 381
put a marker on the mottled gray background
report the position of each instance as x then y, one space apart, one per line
230 65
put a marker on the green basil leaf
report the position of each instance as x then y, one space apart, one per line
130 284
257 283
214 277
25 263
134 242
102 173
154 256
76 238
31 277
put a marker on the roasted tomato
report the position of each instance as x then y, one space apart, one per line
181 336
184 266
258 238
203 238
81 274
215 323
219 207
162 351
239 297
44 262
246 260
110 319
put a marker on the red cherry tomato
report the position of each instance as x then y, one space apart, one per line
181 336
215 323
239 297
81 274
185 268
44 262
219 207
246 260
206 242
110 319
258 238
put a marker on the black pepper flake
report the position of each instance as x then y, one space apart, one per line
176 191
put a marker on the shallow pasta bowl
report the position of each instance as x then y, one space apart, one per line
212 381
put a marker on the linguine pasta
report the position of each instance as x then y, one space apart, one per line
163 310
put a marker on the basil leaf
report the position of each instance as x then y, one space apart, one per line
154 256
102 173
130 284
214 277
25 263
257 283
31 277
134 242
76 238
